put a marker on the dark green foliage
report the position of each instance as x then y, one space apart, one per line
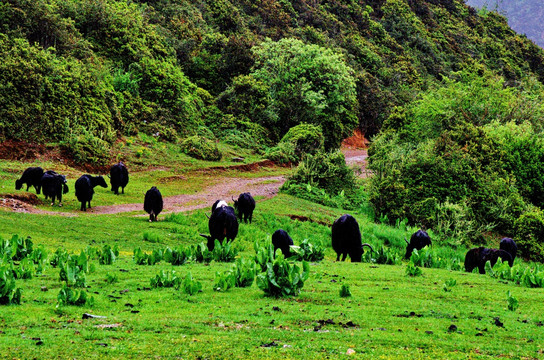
69 296
9 294
345 291
59 257
529 276
383 255
283 279
201 148
299 141
529 232
413 270
307 251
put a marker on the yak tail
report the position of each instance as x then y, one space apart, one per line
367 244
206 236
406 240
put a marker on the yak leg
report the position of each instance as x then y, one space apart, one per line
344 256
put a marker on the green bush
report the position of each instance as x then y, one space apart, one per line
224 281
165 279
244 272
282 279
529 232
299 141
191 286
86 147
201 148
179 256
107 255
327 171
413 270
264 254
201 253
345 291
17 248
225 252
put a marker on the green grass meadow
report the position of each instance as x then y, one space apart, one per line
389 316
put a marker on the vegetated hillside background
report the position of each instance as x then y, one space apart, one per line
451 96
87 72
524 16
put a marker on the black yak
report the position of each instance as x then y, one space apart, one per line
153 203
508 244
32 176
118 177
85 189
418 241
222 224
245 206
477 257
53 186
346 238
281 240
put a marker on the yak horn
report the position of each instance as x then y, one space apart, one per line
370 246
208 216
406 240
206 236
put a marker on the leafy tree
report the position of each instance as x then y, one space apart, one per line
306 83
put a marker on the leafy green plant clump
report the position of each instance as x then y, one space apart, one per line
201 253
17 248
9 293
69 296
345 291
225 252
201 148
529 232
108 255
141 258
283 279
413 270
264 254
165 279
179 256
191 286
308 251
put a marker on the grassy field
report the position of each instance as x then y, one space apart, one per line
389 315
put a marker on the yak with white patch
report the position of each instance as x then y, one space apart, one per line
118 177
477 257
153 203
281 240
346 239
53 186
85 189
245 206
222 224
418 241
32 176
218 203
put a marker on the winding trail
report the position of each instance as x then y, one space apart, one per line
266 187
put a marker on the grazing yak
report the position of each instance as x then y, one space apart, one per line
281 240
477 257
418 241
222 224
218 203
507 244
31 177
53 186
346 238
153 203
245 206
118 177
85 189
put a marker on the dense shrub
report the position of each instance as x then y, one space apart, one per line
327 171
529 235
201 148
299 141
283 279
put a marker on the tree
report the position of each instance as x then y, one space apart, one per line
306 83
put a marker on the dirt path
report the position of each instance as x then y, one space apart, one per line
267 187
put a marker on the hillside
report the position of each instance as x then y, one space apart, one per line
84 73
524 16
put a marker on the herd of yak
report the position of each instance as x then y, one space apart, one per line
223 222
